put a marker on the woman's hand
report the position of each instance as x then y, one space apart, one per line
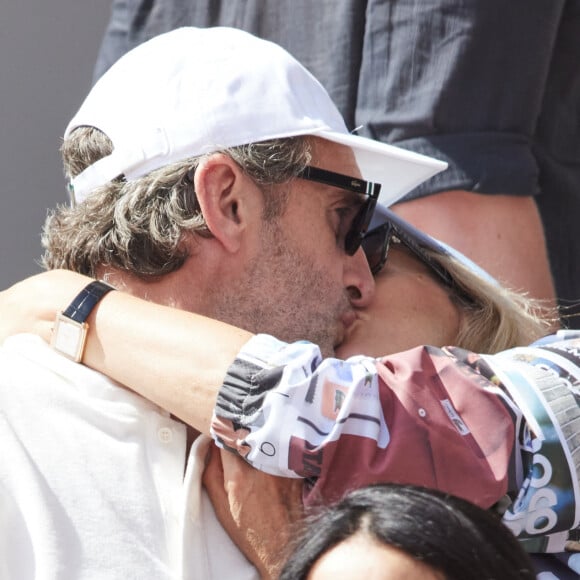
31 305
258 511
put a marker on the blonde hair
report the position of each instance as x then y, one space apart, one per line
495 318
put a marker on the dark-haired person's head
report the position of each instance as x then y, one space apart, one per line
389 530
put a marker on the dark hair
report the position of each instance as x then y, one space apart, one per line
449 534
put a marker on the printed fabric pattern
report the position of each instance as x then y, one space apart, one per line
499 430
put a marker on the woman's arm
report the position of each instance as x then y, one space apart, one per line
445 418
175 359
281 406
474 426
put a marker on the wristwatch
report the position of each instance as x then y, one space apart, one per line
70 327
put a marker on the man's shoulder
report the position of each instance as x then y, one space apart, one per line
31 370
29 355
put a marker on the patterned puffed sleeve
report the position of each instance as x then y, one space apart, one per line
420 417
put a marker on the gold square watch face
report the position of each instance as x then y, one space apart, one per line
68 337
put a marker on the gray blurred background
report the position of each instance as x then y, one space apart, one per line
47 52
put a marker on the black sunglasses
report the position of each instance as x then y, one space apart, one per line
361 221
377 242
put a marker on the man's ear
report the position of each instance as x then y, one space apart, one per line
227 198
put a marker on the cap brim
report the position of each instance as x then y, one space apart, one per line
383 214
397 170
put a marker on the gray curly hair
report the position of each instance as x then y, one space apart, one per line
138 226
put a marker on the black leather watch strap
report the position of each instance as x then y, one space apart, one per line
80 308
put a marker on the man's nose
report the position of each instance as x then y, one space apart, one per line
358 280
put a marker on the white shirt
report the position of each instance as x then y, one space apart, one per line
94 482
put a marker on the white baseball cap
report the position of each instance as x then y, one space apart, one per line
193 91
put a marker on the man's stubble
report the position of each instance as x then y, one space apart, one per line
285 293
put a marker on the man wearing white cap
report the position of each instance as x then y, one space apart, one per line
211 172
